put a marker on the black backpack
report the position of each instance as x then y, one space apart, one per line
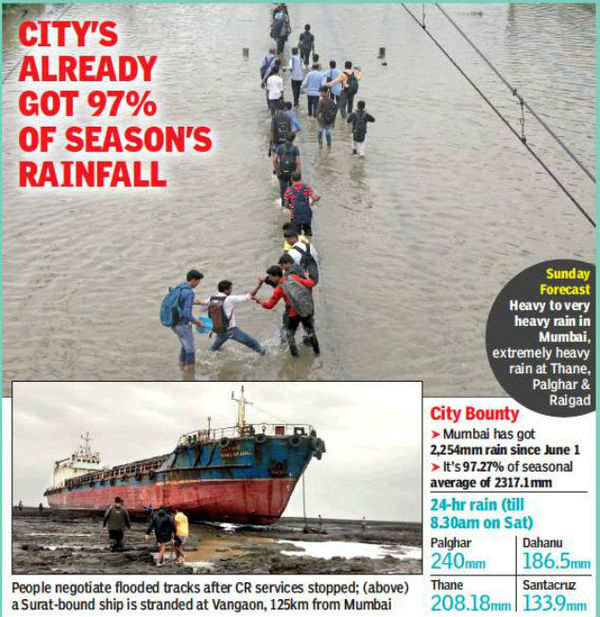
287 160
299 296
352 84
360 126
216 311
308 262
283 126
328 111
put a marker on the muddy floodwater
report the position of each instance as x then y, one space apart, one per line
416 240
50 543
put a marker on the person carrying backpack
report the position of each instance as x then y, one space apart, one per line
349 79
294 289
286 161
221 311
297 198
304 253
359 120
267 63
176 313
280 29
326 112
281 126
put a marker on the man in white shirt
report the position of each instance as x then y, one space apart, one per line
274 89
233 332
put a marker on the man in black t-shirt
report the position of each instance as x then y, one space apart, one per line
359 120
306 44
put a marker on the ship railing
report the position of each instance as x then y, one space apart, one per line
248 430
116 472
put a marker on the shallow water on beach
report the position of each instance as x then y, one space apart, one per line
416 240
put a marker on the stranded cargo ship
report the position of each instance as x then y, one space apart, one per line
240 474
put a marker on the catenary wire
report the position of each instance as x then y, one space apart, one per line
497 112
514 92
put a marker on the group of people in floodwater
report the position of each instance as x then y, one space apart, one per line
297 271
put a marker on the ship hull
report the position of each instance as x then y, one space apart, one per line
244 480
258 501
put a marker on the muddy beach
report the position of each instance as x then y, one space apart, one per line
58 543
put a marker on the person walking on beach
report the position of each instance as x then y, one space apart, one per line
312 86
349 79
359 120
297 198
286 160
296 74
177 305
221 309
293 286
164 529
181 533
306 43
326 112
116 518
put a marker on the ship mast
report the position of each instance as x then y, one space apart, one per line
85 450
242 402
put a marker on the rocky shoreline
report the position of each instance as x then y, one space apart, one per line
59 543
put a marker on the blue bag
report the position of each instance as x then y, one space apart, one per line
170 311
206 327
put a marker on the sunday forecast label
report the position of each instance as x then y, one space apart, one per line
540 337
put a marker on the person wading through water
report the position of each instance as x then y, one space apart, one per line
297 198
349 79
296 74
286 160
221 310
326 112
306 44
312 86
176 313
281 127
292 285
359 120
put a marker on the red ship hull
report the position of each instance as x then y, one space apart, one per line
257 501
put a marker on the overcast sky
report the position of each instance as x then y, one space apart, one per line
372 432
